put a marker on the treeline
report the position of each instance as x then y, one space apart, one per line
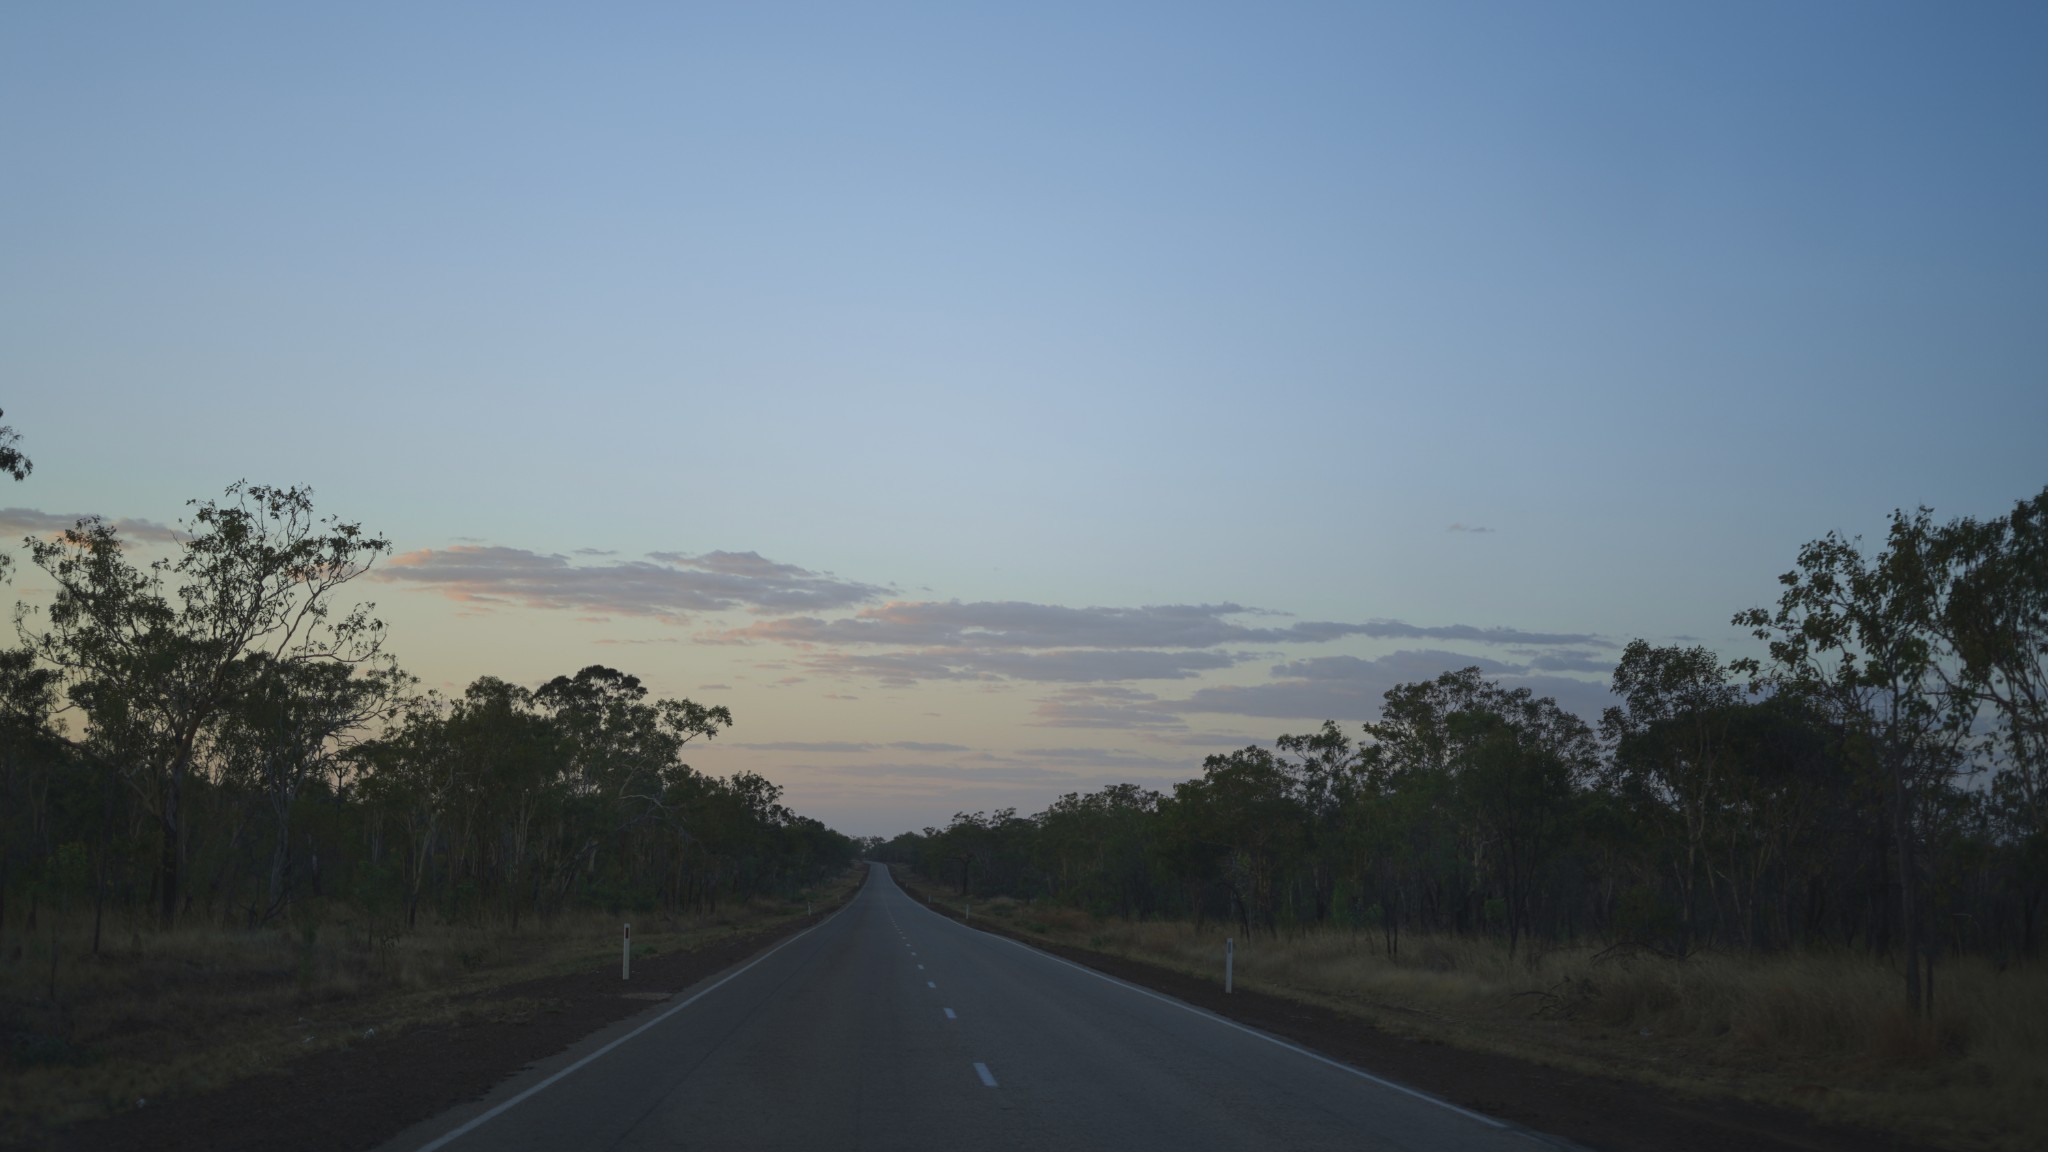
1879 780
217 736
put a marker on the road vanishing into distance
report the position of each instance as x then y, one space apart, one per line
888 1026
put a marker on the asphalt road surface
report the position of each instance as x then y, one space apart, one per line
888 1026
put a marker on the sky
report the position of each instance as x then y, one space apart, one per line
988 402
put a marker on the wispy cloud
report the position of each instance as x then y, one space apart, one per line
1471 528
1044 643
1105 707
987 772
1569 660
1073 667
1121 759
1348 688
668 585
30 522
847 746
1205 739
989 625
1343 688
803 746
953 624
1396 630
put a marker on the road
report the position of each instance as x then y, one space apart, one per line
888 1026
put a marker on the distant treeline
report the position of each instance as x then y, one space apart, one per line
215 735
1878 781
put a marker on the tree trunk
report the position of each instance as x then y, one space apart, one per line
1908 926
280 860
99 885
167 864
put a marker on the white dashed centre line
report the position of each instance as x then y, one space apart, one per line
950 1016
929 984
988 1079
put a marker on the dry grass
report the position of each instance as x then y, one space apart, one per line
160 1013
1827 1032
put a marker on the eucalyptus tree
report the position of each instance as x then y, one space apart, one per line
1244 815
1993 621
159 648
14 464
1669 740
962 848
1859 634
409 776
625 756
1098 847
1996 620
12 461
1412 751
1323 766
292 722
31 749
1518 770
509 771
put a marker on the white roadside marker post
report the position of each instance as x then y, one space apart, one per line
1229 948
967 912
626 960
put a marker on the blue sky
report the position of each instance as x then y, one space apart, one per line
1039 309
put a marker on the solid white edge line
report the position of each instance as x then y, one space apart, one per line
988 1078
1229 1023
476 1122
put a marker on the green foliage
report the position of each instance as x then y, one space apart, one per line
12 462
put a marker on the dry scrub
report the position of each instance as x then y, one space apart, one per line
182 1012
1824 1032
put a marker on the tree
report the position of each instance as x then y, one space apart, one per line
1097 848
14 464
12 461
30 747
625 753
1859 634
1243 814
1322 766
160 649
1668 741
1995 618
289 722
1506 760
409 776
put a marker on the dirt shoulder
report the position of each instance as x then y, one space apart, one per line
1601 1113
357 1097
